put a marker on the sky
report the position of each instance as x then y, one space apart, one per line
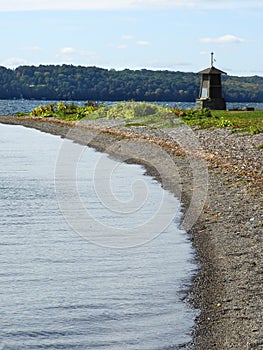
175 35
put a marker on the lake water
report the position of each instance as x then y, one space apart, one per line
59 290
10 107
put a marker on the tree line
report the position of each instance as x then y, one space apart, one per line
69 82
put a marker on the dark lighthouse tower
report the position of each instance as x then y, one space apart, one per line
211 88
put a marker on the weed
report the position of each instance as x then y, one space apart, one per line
156 116
255 129
224 123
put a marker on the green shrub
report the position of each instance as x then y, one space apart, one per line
131 110
143 109
255 129
196 114
43 111
121 110
224 123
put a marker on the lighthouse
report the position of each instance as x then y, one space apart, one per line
211 88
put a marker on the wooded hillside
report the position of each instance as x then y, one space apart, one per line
68 82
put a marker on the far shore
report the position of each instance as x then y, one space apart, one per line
228 234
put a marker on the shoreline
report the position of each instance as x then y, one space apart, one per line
228 235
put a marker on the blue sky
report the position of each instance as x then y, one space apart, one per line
177 35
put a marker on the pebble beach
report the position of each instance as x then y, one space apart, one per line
227 232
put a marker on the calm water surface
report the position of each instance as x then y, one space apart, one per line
60 291
10 107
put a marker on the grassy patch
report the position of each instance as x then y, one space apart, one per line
65 111
250 122
156 116
237 121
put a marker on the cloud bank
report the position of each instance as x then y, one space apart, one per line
225 39
31 5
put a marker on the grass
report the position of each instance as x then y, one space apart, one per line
242 121
156 116
237 121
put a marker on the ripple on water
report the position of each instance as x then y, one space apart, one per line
59 291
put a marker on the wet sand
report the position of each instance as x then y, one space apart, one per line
228 232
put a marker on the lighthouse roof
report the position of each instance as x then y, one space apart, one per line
211 70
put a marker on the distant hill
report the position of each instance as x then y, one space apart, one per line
69 82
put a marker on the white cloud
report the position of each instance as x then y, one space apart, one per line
127 37
66 54
122 46
69 54
205 53
13 62
29 5
225 39
143 43
67 50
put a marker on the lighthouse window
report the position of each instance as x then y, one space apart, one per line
204 93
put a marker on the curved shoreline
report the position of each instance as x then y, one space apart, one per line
228 235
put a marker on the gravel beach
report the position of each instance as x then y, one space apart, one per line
227 230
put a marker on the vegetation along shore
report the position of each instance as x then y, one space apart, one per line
228 232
